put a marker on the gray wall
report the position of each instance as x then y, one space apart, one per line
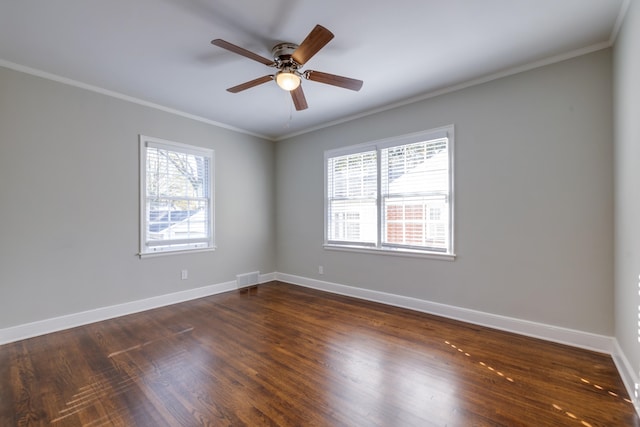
627 183
69 201
534 200
533 194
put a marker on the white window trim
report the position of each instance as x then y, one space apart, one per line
386 251
444 131
205 245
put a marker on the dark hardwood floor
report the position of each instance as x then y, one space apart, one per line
283 355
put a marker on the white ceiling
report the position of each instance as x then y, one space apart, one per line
159 51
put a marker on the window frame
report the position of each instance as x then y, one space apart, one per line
361 243
181 245
386 248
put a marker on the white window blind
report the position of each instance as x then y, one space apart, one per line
176 196
352 199
415 191
392 195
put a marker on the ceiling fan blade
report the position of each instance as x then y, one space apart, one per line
241 51
250 84
332 79
316 40
298 99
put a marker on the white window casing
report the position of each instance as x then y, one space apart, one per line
393 196
176 197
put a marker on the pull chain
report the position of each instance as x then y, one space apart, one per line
288 123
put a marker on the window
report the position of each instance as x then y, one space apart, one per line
176 195
393 195
353 198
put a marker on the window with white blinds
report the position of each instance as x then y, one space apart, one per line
393 195
176 191
415 193
353 198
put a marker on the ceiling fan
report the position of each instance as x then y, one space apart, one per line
288 58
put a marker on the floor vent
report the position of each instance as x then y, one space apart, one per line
247 280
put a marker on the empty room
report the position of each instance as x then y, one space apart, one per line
295 213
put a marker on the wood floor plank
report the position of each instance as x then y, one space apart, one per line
283 355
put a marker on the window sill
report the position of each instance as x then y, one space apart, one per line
391 252
176 252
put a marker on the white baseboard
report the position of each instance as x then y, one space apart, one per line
267 277
628 374
41 327
586 340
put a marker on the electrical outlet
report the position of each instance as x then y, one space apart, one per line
184 274
320 269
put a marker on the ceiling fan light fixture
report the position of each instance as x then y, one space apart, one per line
287 80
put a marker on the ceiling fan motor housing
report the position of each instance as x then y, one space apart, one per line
282 53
